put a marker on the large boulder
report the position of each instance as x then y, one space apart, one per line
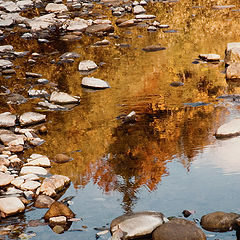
137 224
53 184
219 221
232 53
178 229
229 129
11 206
58 209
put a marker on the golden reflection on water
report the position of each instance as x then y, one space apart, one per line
125 157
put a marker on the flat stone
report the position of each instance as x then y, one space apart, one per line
62 158
7 119
5 179
137 224
99 28
62 98
229 129
37 93
33 75
33 169
233 71
6 22
138 9
43 201
29 118
87 65
10 206
15 98
24 4
78 25
153 48
30 185
4 161
51 106
104 42
50 186
5 64
152 28
58 220
58 209
101 21
145 16
10 6
219 221
6 48
70 55
210 57
56 8
36 141
92 82
128 23
9 139
17 182
232 53
41 161
178 229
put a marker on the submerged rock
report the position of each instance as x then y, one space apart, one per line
178 229
62 98
67 55
58 209
87 65
219 221
153 48
62 158
10 206
137 224
92 82
15 98
43 201
7 119
53 184
29 118
229 129
176 84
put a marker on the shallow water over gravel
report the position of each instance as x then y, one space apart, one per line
168 160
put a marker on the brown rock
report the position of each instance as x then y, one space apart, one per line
233 71
43 201
58 209
178 229
62 158
219 221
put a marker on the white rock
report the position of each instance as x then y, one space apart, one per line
36 141
4 161
229 129
210 57
94 83
58 220
41 161
62 98
3 169
30 185
23 4
31 118
17 182
6 48
10 6
13 191
87 65
11 206
5 179
77 25
6 22
102 21
32 169
138 9
145 16
52 185
56 8
7 119
5 63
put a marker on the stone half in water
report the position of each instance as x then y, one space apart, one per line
94 83
136 225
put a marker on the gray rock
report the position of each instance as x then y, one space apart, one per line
56 8
92 82
145 16
10 206
15 98
29 118
87 65
70 55
99 28
43 201
62 98
10 6
37 93
5 179
233 71
219 221
210 57
138 9
232 53
33 169
50 186
5 64
78 25
137 224
229 129
7 119
178 229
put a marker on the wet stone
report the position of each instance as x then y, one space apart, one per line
5 179
96 83
178 229
58 220
10 206
27 36
104 42
9 139
8 71
62 158
70 55
37 93
6 48
153 48
43 201
177 84
152 28
15 98
42 81
36 141
128 23
5 64
29 118
229 129
39 160
7 119
33 75
32 169
219 221
51 107
87 65
63 98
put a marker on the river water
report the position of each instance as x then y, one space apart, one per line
169 159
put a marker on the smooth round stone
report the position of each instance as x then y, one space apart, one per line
229 129
92 82
62 158
219 221
178 229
